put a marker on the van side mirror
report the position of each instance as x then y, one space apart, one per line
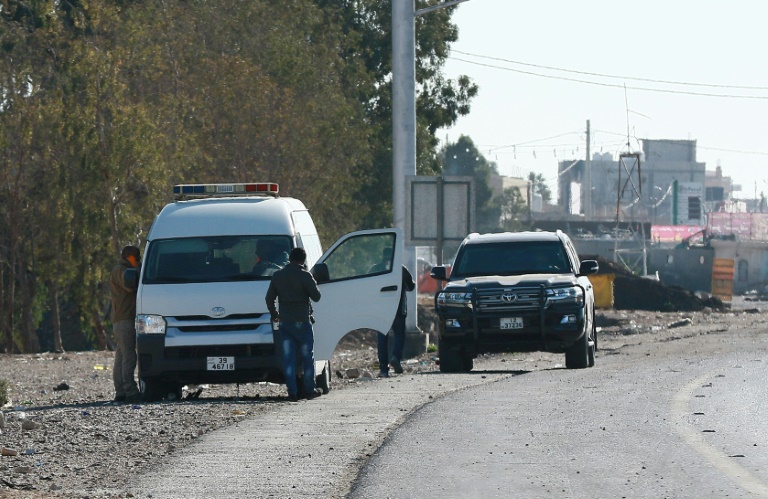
320 271
439 273
131 279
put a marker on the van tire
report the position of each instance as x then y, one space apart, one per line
323 380
151 389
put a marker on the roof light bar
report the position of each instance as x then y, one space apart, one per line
197 191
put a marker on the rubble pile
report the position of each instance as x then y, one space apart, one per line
632 292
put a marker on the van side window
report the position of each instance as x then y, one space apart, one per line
361 256
310 241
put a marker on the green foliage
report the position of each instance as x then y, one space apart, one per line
431 348
104 105
367 27
514 210
539 186
463 159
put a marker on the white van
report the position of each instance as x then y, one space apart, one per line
200 311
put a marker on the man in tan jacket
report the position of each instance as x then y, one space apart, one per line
124 328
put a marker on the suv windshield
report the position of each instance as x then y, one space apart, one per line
511 258
215 259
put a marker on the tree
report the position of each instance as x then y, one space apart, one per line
539 186
463 159
367 52
104 105
513 209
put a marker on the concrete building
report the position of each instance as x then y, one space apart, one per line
719 192
643 192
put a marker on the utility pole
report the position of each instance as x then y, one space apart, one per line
404 122
588 180
403 104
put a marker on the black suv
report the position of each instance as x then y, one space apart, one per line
516 292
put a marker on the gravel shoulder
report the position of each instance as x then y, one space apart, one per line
71 443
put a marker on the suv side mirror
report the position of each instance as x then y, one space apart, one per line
320 271
439 273
589 267
131 279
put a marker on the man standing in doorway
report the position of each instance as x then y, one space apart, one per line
124 327
293 287
398 332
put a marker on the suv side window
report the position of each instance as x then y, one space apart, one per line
573 256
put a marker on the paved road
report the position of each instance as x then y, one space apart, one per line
687 419
640 440
304 449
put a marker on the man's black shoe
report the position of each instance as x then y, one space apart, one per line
293 398
118 400
396 366
314 394
134 399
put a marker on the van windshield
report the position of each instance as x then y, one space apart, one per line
215 259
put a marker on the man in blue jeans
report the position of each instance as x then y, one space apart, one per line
293 287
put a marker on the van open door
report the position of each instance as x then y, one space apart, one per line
362 290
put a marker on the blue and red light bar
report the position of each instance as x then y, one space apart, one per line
196 191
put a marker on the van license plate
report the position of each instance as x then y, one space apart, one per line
221 363
511 323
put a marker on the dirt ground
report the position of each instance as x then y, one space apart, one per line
70 442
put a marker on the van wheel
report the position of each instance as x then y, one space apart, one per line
323 380
174 389
151 389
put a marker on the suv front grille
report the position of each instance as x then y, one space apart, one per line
508 299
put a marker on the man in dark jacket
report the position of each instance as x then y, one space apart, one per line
398 332
293 286
123 327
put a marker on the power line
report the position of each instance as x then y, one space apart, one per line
613 85
732 150
605 75
527 142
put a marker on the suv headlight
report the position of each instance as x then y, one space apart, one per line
450 299
573 294
150 324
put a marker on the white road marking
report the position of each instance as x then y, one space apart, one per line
718 459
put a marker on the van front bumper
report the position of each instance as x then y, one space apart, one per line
189 364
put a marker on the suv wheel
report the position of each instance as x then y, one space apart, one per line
593 346
577 357
452 359
469 362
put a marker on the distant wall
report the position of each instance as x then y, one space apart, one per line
688 268
750 263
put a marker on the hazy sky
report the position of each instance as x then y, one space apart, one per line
531 59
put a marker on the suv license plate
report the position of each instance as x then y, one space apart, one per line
511 323
221 363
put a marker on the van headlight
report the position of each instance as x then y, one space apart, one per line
150 324
574 294
449 299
